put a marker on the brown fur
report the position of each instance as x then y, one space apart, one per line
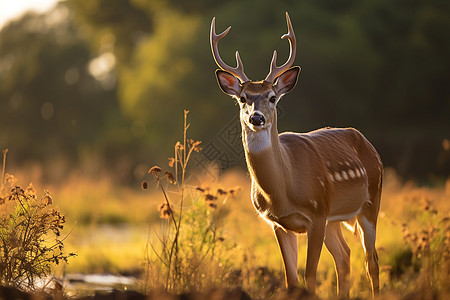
310 182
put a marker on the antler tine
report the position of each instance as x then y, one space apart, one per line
214 39
274 70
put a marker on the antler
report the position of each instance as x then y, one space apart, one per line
214 39
274 70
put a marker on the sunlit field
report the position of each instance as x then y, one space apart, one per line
117 230
107 192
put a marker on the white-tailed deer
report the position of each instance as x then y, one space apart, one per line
305 182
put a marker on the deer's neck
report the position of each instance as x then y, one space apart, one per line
266 158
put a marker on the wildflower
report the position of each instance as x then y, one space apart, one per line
10 179
170 177
155 171
30 190
144 185
209 197
221 192
211 201
234 192
195 145
164 211
201 190
212 205
179 146
171 162
47 200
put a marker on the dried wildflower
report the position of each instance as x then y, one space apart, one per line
30 190
179 146
170 177
426 203
155 170
200 189
221 192
164 211
144 185
47 200
196 145
209 197
234 192
171 162
212 205
10 179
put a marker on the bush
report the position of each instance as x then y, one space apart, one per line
30 234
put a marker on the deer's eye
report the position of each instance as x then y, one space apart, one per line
273 99
243 100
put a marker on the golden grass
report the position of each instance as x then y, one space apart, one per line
111 226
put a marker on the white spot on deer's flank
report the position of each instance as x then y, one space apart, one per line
331 177
321 182
363 171
344 174
351 173
337 176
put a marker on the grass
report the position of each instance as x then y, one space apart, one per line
111 234
117 229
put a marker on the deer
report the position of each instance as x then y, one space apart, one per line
304 183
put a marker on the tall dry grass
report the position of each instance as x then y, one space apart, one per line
118 229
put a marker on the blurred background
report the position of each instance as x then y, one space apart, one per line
99 86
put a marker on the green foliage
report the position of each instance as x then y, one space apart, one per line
30 234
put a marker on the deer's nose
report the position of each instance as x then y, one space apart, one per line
257 119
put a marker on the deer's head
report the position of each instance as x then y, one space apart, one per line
257 99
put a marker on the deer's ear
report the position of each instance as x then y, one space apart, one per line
229 84
286 81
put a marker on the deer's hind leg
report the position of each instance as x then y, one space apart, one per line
366 230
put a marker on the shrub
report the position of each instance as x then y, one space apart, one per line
30 234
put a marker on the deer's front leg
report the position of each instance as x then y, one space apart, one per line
287 241
316 234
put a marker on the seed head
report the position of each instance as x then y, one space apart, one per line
171 162
47 200
179 146
170 177
155 170
212 205
30 190
196 145
164 211
144 185
221 192
200 189
209 197
234 192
